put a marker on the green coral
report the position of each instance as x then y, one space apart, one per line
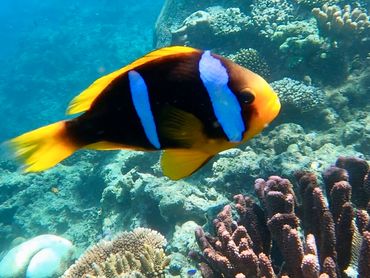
131 254
251 59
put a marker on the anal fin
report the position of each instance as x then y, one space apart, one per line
182 127
180 163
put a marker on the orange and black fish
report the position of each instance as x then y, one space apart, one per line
190 103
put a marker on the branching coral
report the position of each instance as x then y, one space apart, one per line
346 23
350 174
251 59
131 254
231 252
334 246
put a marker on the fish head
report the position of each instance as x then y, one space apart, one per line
260 104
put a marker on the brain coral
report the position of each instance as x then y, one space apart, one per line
251 59
130 254
298 96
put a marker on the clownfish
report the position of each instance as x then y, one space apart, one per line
190 103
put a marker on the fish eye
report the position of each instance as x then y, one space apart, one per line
246 96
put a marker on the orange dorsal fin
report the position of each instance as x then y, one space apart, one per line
84 100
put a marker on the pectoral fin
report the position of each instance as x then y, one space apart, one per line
182 127
178 164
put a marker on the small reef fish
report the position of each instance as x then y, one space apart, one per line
190 103
191 272
54 190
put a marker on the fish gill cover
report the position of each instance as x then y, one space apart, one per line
316 56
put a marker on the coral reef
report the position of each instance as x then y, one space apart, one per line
41 256
204 29
298 96
335 244
346 30
174 14
267 15
28 205
251 59
346 23
100 194
298 42
138 253
316 3
349 174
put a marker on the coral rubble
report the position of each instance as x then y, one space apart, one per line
138 253
265 241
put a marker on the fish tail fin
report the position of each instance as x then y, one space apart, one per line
43 148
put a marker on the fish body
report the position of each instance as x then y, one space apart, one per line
191 272
190 103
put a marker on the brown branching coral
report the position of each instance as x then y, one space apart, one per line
230 253
364 265
130 254
266 239
353 170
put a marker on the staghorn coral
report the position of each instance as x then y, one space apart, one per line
346 23
295 95
251 59
333 246
130 254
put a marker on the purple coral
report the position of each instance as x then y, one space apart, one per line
263 234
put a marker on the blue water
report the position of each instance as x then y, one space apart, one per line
51 50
